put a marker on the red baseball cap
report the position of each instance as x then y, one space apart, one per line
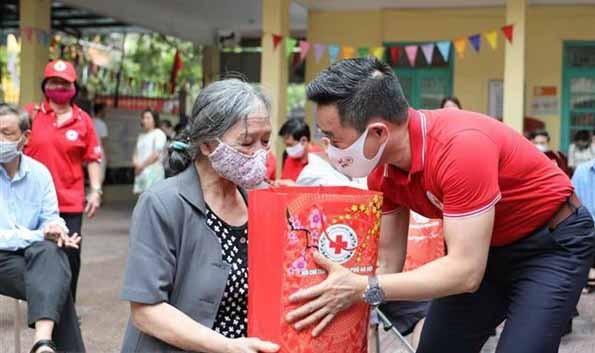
60 68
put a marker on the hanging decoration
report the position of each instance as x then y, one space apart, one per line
395 52
444 49
492 38
475 41
428 50
508 32
378 52
319 51
362 52
276 40
304 49
460 46
289 45
348 52
411 51
333 52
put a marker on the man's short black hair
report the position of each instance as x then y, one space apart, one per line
543 133
362 89
296 128
582 135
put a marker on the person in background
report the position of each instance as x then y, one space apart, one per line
186 275
581 149
83 101
32 265
168 129
102 134
584 186
541 140
296 136
63 138
451 102
149 153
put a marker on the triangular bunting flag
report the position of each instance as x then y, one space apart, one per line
276 40
304 49
411 51
318 51
508 32
348 52
460 46
333 53
362 52
492 38
289 45
428 50
395 52
444 49
378 52
475 41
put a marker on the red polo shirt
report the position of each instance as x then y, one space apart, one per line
463 163
64 150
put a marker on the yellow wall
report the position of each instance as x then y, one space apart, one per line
547 27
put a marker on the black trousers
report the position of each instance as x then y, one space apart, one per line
74 222
40 275
534 284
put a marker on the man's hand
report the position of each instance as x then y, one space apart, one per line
339 291
57 234
93 204
70 242
54 232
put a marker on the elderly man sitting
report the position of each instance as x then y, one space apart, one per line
32 265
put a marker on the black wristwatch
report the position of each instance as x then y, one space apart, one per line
374 295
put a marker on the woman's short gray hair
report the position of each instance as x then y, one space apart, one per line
24 119
218 107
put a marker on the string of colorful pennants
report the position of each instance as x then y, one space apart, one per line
335 52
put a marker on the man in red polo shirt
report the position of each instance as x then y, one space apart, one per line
519 242
63 139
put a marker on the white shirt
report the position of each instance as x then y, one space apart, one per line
319 172
149 143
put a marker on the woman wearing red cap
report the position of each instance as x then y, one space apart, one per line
63 139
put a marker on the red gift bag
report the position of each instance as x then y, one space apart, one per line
285 227
425 241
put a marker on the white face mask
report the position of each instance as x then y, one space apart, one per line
351 161
9 150
296 151
542 148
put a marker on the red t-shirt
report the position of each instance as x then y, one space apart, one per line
292 167
463 163
63 150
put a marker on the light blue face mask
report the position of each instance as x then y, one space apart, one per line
9 150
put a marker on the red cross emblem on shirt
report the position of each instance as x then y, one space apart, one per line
338 244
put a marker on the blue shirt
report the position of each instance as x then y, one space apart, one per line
28 204
584 185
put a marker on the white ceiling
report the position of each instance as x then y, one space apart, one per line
381 4
200 20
